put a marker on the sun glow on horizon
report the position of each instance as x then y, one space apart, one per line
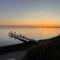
46 23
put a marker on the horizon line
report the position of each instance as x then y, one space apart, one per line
34 26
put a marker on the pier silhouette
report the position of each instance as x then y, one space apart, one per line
20 37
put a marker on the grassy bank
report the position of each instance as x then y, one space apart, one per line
48 49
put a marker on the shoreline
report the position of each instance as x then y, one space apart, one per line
23 46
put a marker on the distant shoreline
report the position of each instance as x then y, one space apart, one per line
30 26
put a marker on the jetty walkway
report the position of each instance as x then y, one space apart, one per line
20 37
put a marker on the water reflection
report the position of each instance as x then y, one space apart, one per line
34 33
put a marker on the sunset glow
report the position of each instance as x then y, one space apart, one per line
31 23
39 13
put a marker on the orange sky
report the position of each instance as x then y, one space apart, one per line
43 13
45 23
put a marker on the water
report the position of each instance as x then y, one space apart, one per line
35 33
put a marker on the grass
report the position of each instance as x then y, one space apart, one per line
48 49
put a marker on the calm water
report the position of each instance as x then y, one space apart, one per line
35 33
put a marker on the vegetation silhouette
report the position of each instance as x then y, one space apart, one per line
48 51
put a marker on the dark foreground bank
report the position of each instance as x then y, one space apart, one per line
45 50
55 41
16 47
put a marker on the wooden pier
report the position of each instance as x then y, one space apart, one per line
20 37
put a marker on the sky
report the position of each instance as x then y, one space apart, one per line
42 13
